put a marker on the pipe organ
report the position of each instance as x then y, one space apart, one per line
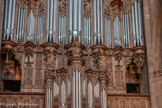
78 53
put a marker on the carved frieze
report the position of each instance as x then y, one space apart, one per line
28 76
39 61
119 79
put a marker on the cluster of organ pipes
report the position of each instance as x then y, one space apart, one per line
20 24
137 24
98 21
75 22
117 31
9 18
40 29
76 94
62 29
126 35
49 98
51 20
87 31
108 32
93 25
30 27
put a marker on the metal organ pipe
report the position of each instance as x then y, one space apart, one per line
87 30
9 14
54 20
75 9
98 22
75 19
90 95
101 22
9 19
76 90
117 32
5 19
74 97
95 21
133 23
108 31
103 99
140 23
137 26
71 20
137 23
128 30
51 20
63 94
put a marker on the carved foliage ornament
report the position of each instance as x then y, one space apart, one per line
22 3
29 58
107 10
87 9
41 8
62 8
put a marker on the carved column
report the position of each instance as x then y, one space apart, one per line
76 61
49 86
50 50
99 54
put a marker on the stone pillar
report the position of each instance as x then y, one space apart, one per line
152 28
1 31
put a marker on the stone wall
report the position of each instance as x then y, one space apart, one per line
152 10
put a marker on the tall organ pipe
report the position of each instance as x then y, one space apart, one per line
137 26
140 23
137 23
5 21
51 20
133 23
75 9
95 22
9 19
76 90
128 30
107 32
101 23
48 8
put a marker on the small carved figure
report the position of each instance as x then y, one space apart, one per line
102 62
50 61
